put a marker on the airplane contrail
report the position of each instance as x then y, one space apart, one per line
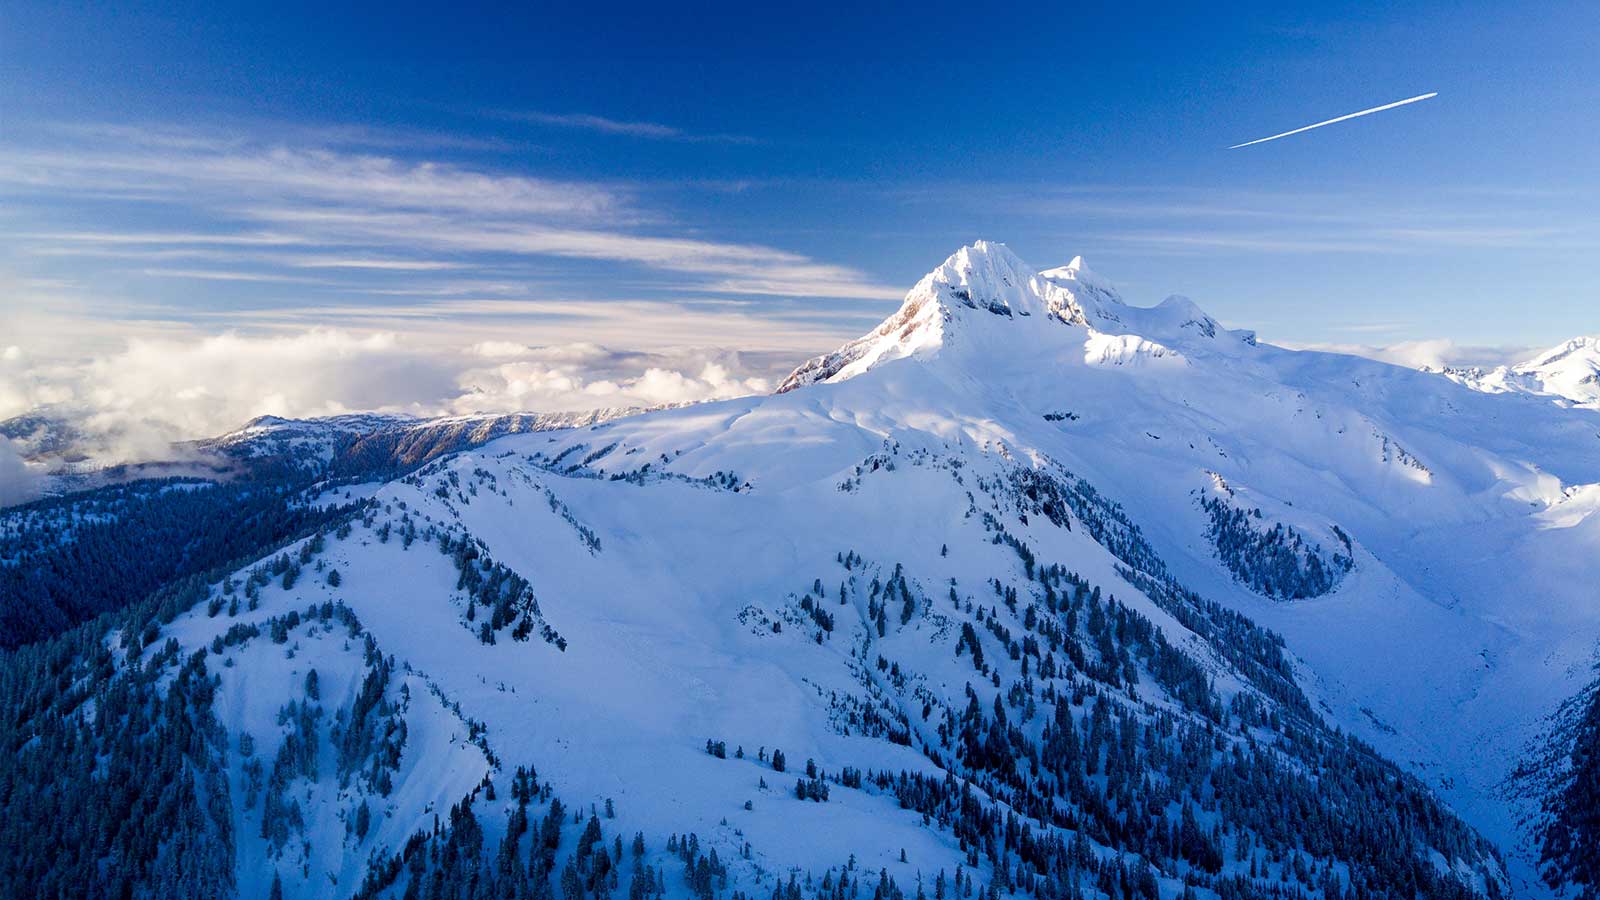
1364 112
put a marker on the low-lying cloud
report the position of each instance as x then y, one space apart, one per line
132 405
19 482
588 376
1435 353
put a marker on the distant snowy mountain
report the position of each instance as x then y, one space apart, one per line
1568 372
43 435
1026 592
337 446
361 443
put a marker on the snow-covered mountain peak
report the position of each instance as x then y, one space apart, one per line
1071 270
982 279
983 292
1582 351
988 255
1567 372
990 305
1570 370
990 278
1079 272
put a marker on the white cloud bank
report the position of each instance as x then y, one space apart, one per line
587 376
132 404
1435 353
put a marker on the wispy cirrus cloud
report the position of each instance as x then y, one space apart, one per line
743 268
388 265
272 170
157 238
225 275
606 125
1357 238
257 206
462 313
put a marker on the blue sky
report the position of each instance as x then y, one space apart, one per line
675 178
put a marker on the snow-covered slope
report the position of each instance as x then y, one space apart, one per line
904 564
1569 372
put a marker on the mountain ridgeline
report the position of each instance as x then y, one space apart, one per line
1028 592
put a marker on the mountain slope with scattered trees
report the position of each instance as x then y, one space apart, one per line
942 618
